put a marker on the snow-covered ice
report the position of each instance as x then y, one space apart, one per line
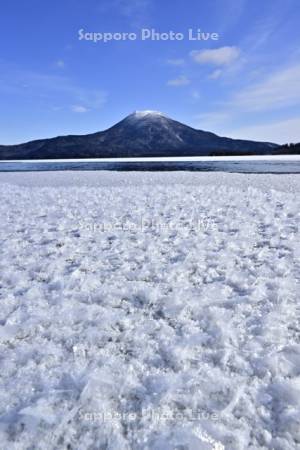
149 311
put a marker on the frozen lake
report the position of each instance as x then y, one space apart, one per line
149 310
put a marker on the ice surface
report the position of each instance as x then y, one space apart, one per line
149 311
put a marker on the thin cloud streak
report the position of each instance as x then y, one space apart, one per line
281 132
278 90
33 84
180 81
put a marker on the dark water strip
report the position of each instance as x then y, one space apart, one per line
279 167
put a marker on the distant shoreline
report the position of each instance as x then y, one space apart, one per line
163 159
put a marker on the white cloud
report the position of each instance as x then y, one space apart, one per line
60 63
215 74
136 11
281 132
195 95
79 109
219 57
278 90
182 80
132 7
176 62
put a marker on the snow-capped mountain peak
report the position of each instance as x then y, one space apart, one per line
147 113
146 116
147 120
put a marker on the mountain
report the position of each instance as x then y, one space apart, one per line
141 134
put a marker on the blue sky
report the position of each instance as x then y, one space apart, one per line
245 85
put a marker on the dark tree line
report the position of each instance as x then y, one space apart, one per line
289 149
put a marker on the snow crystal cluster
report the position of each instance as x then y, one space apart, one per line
149 311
